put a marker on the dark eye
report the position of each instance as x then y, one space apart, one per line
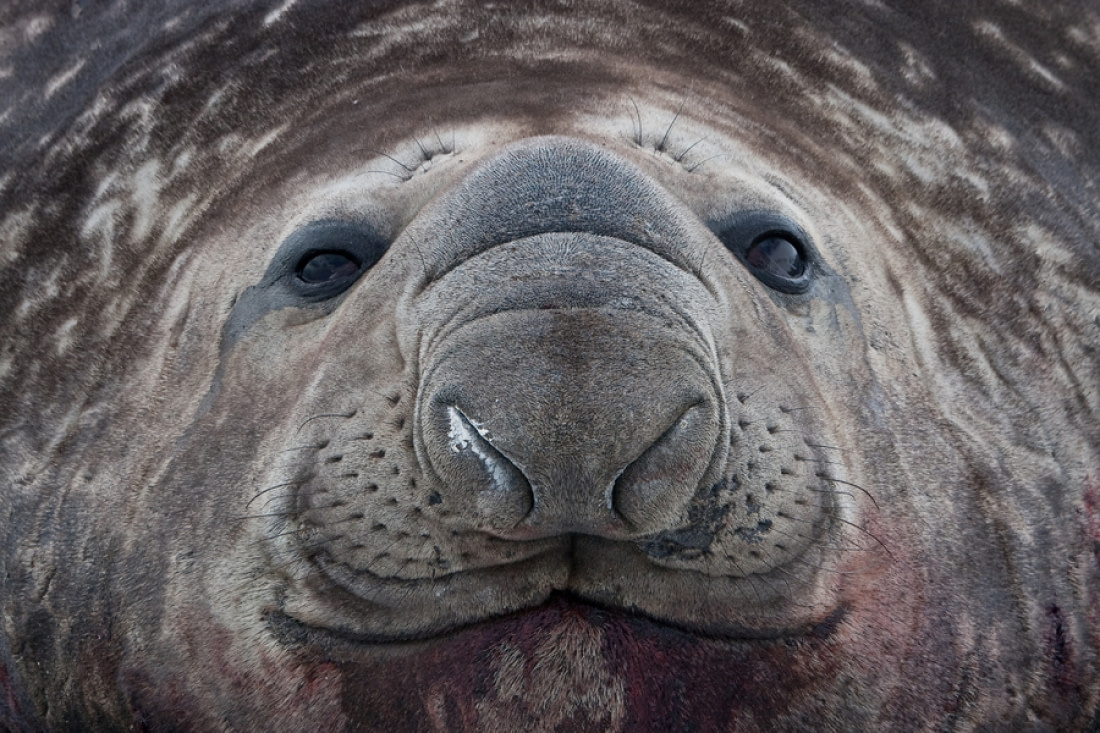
326 267
776 255
325 258
771 246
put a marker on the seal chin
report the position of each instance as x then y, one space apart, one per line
579 661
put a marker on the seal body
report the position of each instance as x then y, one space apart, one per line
620 366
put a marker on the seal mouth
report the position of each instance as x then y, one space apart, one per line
344 644
335 607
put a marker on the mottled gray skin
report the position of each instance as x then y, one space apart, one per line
558 460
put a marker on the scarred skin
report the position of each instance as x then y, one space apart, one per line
555 456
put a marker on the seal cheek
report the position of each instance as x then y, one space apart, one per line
214 666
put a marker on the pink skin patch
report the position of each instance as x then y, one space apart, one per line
566 664
1092 518
11 706
1092 530
587 669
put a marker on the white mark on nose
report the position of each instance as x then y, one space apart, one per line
466 435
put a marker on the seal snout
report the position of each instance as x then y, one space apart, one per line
541 423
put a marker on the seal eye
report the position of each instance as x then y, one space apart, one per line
327 267
325 258
776 255
771 246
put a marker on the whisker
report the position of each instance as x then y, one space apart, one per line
680 158
285 514
822 507
826 477
764 580
842 520
870 534
704 161
438 139
661 146
746 576
383 554
304 447
822 461
834 492
268 538
395 160
276 486
398 176
355 517
273 498
790 591
831 546
345 415
701 267
638 130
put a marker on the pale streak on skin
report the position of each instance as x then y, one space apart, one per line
463 439
275 15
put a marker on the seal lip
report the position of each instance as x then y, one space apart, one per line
295 633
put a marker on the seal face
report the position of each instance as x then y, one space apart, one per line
583 413
451 368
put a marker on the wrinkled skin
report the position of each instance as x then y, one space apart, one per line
550 443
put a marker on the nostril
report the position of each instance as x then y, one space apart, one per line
466 436
653 490
503 494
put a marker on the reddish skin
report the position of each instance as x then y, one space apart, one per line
674 679
9 692
1092 532
1092 519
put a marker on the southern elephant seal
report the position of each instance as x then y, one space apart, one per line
614 366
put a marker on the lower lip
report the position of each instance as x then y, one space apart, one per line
664 677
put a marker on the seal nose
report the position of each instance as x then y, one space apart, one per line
581 426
